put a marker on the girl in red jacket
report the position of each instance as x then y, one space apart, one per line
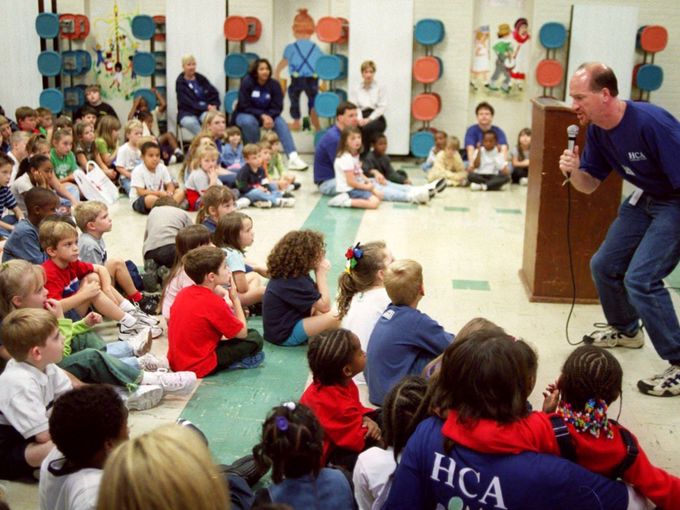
335 356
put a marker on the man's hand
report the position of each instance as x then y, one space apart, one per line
570 162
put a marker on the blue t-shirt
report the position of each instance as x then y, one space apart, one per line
330 490
427 477
403 341
286 301
302 56
230 156
474 135
23 243
210 224
324 155
644 148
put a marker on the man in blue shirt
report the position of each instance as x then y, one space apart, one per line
327 148
641 142
475 133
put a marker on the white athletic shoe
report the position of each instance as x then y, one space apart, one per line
243 203
419 195
608 336
475 186
139 338
150 362
177 383
285 202
144 397
340 200
665 384
297 163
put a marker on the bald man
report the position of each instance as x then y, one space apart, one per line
641 142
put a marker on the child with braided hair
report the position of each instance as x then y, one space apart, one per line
405 407
292 442
590 381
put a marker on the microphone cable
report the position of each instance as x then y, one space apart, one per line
571 270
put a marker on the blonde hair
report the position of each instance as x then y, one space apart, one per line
85 212
169 467
18 278
189 162
51 233
368 64
26 328
271 137
403 281
204 151
250 149
188 58
132 124
209 117
105 128
452 142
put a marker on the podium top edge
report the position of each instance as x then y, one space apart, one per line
549 103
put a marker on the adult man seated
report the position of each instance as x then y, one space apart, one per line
475 133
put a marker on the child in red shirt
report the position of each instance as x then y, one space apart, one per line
335 356
204 334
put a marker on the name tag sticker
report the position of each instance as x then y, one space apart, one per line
256 93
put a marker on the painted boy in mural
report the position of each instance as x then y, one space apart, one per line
504 59
300 57
521 54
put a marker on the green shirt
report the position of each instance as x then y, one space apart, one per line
63 167
103 147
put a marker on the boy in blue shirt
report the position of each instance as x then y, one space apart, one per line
404 339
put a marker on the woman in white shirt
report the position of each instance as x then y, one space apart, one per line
371 99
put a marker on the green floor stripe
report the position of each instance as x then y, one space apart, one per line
400 205
471 285
229 407
508 211
457 209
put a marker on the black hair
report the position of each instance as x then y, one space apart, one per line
344 106
38 197
292 442
403 409
590 373
256 64
5 160
328 353
30 162
490 132
149 145
84 419
88 110
484 105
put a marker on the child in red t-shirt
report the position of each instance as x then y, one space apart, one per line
335 356
204 334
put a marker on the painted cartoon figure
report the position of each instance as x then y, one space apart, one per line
521 55
300 57
504 59
118 76
480 59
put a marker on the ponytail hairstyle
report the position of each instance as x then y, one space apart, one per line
362 276
35 143
292 442
60 133
214 196
344 136
186 240
30 163
403 409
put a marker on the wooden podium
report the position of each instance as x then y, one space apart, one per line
545 265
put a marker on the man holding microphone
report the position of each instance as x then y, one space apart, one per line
641 142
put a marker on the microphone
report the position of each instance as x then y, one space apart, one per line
572 133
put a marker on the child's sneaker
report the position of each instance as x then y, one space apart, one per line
144 397
262 204
419 196
149 303
523 181
438 186
177 383
243 203
475 186
340 200
285 202
253 361
246 468
150 362
665 384
138 336
608 336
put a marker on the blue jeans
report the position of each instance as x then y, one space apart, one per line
125 184
327 187
641 248
192 123
250 125
393 192
123 351
10 219
258 195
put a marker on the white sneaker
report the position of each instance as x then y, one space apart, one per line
262 204
523 181
150 362
285 202
475 186
297 163
608 336
341 200
242 203
438 185
419 195
666 384
144 397
144 318
139 337
177 383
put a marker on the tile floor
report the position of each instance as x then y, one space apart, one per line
470 245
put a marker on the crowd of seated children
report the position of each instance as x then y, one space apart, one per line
151 180
216 202
449 165
252 182
7 200
294 306
404 340
234 234
24 243
203 176
205 335
488 170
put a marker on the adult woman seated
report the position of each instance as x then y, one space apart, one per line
195 96
370 97
260 103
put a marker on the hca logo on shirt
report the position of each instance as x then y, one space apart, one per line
636 156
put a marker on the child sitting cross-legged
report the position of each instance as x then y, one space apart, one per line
204 334
217 201
488 171
151 180
24 242
79 285
404 339
86 425
94 221
448 165
276 170
28 386
201 178
253 184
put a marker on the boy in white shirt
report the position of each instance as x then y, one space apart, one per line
28 387
489 171
151 180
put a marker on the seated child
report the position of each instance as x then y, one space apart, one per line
79 285
204 335
63 160
202 177
488 170
28 386
232 152
216 202
94 103
292 441
294 306
7 200
151 126
27 119
520 155
252 183
86 425
106 142
334 357
128 155
151 180
45 122
449 165
24 242
404 339
18 150
440 138
84 148
5 133
94 221
277 170
39 171
377 160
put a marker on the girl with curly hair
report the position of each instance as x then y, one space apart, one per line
294 307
